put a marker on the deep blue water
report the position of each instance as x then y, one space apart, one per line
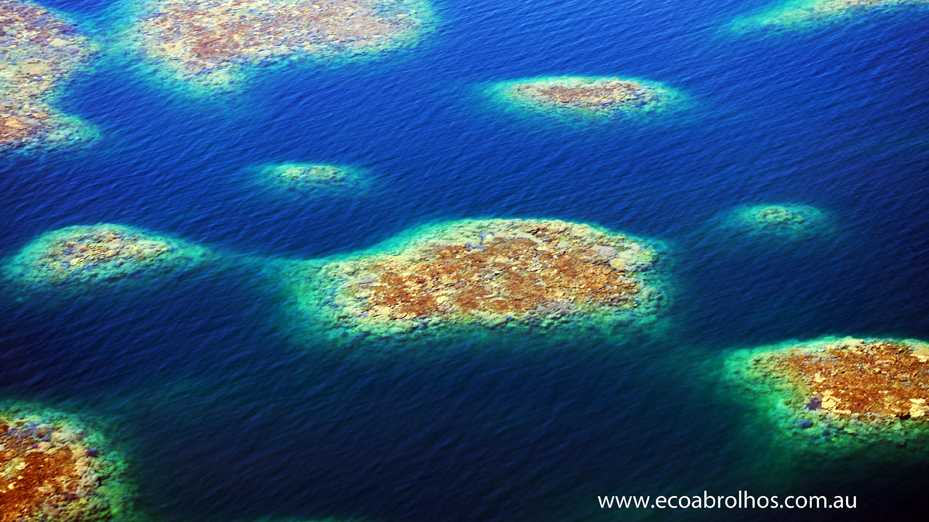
231 417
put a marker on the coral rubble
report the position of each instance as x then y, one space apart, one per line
53 468
599 96
309 179
208 41
100 254
843 390
535 273
795 14
780 220
38 51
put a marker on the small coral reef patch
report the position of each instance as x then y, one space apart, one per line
306 178
54 468
207 42
791 221
106 254
584 96
38 51
807 13
842 391
488 273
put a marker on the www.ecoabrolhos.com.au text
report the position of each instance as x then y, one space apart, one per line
741 501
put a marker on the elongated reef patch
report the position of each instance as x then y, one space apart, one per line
601 97
487 273
810 13
104 254
207 42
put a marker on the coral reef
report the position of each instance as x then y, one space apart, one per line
38 51
577 95
54 468
780 220
100 254
534 273
805 13
307 178
208 41
842 391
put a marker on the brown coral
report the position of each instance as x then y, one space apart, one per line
215 36
45 473
871 379
592 95
585 94
493 270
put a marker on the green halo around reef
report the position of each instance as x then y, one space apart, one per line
573 97
474 275
210 43
313 179
838 394
54 467
787 221
802 14
78 257
39 50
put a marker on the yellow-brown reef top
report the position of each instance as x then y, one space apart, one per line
810 12
54 469
844 388
38 50
207 41
584 95
99 254
309 178
491 272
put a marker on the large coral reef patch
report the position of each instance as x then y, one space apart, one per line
810 13
536 274
38 52
207 42
100 255
600 97
841 392
52 467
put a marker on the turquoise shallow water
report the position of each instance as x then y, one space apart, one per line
232 413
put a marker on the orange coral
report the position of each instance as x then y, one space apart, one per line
508 276
874 378
41 475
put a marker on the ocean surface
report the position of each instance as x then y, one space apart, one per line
230 413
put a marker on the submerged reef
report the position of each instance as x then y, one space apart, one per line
841 391
487 273
307 178
791 221
208 41
38 51
584 96
106 254
806 13
52 467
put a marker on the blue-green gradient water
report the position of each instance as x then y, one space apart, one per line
232 413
